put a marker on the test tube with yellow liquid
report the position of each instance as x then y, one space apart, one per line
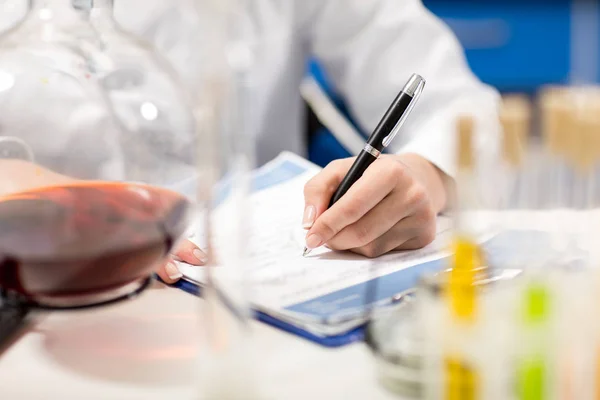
461 378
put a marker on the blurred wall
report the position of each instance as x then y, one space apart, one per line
520 45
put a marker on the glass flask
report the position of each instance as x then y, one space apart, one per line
228 357
100 139
12 12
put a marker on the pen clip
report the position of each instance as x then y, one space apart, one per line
414 88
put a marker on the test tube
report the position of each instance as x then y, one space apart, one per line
555 110
523 171
589 122
514 119
580 152
431 311
575 334
461 377
520 168
466 252
534 368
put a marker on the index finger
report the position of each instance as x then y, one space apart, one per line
376 183
318 190
188 252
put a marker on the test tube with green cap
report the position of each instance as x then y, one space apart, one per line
534 370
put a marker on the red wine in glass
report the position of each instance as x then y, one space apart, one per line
86 243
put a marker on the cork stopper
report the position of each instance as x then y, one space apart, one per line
556 119
515 119
465 127
587 136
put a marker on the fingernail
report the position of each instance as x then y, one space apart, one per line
200 256
313 241
172 271
309 217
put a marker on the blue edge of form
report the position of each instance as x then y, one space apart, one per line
352 336
407 279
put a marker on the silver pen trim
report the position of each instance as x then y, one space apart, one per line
414 85
413 88
372 150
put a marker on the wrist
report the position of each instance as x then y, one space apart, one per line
436 182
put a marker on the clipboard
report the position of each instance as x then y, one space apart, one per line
405 279
285 167
354 335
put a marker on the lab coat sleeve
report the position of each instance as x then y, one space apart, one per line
369 49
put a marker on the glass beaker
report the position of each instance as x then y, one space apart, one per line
406 338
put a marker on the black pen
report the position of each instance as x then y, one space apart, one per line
382 136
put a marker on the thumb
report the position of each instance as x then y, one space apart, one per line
318 190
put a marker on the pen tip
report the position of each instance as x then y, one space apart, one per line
306 252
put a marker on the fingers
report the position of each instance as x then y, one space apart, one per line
399 204
169 272
318 191
411 233
187 252
190 253
374 224
415 243
389 241
377 182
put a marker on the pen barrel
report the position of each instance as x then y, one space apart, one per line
360 165
391 120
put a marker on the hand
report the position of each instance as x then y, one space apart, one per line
393 206
187 252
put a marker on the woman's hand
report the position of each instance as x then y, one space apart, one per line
393 206
187 252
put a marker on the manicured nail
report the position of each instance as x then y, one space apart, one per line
313 241
172 271
203 258
309 217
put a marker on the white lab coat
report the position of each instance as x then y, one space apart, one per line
368 48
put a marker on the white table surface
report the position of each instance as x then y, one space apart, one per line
148 348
